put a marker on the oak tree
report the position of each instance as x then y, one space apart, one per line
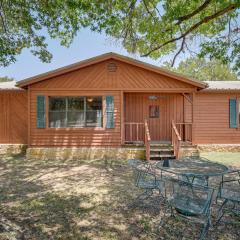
151 28
204 70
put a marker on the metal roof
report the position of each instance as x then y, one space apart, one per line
9 86
222 85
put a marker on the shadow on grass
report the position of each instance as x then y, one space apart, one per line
74 199
28 197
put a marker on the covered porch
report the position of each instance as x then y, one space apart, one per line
155 119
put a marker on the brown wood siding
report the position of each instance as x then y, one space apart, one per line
212 119
75 137
102 79
13 117
187 111
137 109
127 77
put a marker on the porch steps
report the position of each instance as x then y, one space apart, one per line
159 151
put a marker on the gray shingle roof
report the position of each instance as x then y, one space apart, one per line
9 86
223 85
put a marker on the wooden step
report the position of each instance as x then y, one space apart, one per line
160 145
161 155
161 149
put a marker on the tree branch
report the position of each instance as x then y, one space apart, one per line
179 51
192 53
2 16
126 29
195 12
147 9
188 16
229 29
193 27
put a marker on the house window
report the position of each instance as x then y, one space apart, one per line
154 111
75 112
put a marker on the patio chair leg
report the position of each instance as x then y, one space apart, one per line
205 230
162 195
163 220
220 211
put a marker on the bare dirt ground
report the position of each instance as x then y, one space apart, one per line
84 200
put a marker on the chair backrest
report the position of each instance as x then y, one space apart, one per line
231 177
200 196
140 170
230 183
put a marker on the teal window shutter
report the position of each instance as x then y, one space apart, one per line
233 113
41 121
109 112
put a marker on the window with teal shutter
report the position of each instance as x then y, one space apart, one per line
41 122
233 113
109 112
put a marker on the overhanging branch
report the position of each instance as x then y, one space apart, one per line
179 51
195 26
195 12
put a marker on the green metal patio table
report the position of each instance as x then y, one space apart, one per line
193 169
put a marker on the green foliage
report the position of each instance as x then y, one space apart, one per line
149 27
6 79
23 24
204 70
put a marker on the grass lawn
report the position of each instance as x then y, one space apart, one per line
231 159
86 200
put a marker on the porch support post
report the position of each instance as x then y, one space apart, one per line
122 118
193 117
29 115
184 120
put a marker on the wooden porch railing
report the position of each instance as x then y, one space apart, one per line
134 132
185 131
147 140
138 132
176 140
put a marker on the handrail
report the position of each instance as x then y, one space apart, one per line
147 140
185 130
176 140
176 131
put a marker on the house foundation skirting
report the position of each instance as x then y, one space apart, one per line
13 148
219 147
120 153
85 153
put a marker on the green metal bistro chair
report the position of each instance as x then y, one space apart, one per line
192 202
138 164
229 193
145 179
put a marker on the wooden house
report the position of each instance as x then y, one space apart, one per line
113 102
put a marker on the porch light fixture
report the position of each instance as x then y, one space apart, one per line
152 97
90 99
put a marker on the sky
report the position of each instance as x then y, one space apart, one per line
86 45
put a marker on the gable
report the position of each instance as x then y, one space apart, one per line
113 74
109 57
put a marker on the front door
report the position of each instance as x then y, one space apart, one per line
157 117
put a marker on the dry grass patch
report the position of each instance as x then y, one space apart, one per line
84 200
